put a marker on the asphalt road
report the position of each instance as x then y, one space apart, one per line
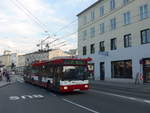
25 98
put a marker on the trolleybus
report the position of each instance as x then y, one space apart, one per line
62 75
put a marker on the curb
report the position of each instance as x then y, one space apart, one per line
5 85
122 88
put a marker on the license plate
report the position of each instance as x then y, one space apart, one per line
76 90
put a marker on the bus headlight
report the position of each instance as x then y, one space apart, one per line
86 86
65 87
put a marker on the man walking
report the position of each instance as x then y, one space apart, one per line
7 76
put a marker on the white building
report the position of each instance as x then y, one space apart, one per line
116 35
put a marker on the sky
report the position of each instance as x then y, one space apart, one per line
24 23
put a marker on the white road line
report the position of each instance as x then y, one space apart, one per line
121 96
88 109
21 81
147 101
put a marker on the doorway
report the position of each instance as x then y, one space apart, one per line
146 70
102 71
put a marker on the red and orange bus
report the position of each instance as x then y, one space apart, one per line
62 75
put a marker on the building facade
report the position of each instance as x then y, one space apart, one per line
44 55
20 64
116 35
8 59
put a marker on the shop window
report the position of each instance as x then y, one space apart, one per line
121 69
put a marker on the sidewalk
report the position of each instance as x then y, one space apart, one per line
3 83
145 88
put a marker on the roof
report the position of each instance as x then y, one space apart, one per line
58 61
89 7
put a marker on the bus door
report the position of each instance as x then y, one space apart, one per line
56 78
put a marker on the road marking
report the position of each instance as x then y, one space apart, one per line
19 79
122 96
147 101
88 109
34 96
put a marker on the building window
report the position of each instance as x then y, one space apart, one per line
84 19
121 69
102 11
113 44
112 4
145 36
113 24
101 46
143 11
84 34
125 2
92 32
102 28
84 50
92 15
127 18
92 48
127 40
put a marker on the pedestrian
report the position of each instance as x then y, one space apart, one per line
0 76
3 73
7 76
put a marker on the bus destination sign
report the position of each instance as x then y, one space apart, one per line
75 62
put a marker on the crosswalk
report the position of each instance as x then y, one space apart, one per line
18 78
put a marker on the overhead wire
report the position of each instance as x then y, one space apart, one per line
43 23
28 13
66 26
36 18
31 18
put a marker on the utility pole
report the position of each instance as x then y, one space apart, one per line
41 45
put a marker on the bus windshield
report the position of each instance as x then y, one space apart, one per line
75 73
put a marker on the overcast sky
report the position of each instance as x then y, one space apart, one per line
20 31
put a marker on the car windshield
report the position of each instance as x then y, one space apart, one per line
75 73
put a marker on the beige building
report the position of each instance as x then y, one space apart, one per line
8 58
20 64
116 34
5 60
21 60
